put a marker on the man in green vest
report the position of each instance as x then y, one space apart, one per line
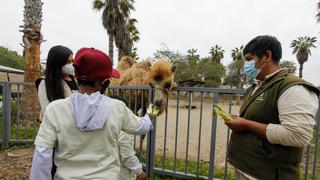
276 118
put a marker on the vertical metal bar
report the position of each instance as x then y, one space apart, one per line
26 117
142 102
314 172
18 110
199 139
141 142
213 138
306 172
165 136
176 136
118 91
151 142
129 97
188 129
134 145
135 101
6 114
228 134
34 111
140 147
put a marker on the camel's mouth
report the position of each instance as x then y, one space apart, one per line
161 106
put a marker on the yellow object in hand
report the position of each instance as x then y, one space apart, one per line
221 113
152 110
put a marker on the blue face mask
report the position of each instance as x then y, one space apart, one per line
250 69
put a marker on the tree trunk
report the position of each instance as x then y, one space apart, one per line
29 101
300 70
111 47
32 38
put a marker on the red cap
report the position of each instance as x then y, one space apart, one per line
92 64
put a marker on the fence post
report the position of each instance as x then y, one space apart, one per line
6 114
314 171
151 141
213 137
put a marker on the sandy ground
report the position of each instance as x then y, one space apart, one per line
194 147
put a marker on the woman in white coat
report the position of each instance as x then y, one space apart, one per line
59 81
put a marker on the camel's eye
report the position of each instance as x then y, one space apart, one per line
167 86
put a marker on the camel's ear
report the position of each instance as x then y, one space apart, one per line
174 68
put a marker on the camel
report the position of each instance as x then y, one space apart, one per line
125 63
160 76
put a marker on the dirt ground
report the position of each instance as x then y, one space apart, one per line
16 163
194 128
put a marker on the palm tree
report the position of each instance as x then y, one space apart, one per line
114 14
238 61
32 39
134 33
318 14
216 53
127 36
301 47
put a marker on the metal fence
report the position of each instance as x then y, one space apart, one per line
188 141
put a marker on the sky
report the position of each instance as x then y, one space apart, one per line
179 24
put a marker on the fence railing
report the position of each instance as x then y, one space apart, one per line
188 141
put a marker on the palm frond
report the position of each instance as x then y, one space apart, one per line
97 5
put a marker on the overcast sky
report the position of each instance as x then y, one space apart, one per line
180 24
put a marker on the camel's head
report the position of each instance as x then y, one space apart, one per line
161 79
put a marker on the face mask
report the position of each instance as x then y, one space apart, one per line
68 69
250 69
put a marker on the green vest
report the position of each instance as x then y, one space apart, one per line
255 155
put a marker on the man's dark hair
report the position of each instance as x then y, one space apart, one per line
259 46
85 82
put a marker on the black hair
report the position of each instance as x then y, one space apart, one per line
104 86
260 44
57 57
85 82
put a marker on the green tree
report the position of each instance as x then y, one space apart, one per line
114 19
290 65
11 58
166 53
191 67
216 53
301 47
232 79
236 76
211 72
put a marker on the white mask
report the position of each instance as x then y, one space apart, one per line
68 69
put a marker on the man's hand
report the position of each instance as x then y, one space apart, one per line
238 124
142 176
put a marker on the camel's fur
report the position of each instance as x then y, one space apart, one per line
160 76
125 63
